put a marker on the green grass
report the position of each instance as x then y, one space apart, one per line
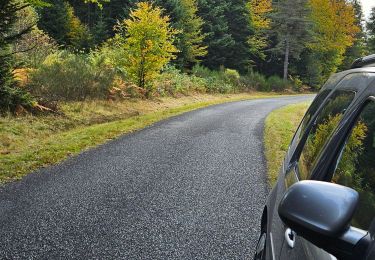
31 142
280 126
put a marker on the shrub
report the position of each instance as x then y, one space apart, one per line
222 81
67 76
203 72
172 81
278 84
255 80
297 83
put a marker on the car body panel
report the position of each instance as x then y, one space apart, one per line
357 80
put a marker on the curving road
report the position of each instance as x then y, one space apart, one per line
191 187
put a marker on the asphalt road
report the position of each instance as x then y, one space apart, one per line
190 187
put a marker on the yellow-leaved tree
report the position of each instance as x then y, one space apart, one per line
148 44
260 22
334 30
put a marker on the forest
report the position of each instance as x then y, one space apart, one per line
55 51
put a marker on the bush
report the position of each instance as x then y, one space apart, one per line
278 84
255 80
222 81
67 76
172 82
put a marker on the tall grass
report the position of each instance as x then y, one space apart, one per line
66 76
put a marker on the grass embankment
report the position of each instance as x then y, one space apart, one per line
30 142
279 130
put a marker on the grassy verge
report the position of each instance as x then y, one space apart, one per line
279 130
30 142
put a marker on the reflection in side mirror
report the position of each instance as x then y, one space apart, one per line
321 213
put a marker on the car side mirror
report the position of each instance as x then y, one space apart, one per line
321 213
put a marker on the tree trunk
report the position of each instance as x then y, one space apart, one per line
286 59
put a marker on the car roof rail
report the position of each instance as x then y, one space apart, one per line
368 61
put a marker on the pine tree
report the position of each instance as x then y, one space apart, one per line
10 95
358 49
218 37
60 22
100 31
371 32
238 57
189 42
290 25
54 21
226 24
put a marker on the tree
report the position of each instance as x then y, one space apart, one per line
238 57
290 25
226 24
78 35
60 22
184 18
358 49
371 31
148 43
10 95
334 30
260 21
218 38
100 31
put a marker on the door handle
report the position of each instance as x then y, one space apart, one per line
290 237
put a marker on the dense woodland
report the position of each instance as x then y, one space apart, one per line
64 50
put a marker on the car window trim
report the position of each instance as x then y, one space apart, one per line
336 159
297 153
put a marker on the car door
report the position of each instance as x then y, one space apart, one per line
355 167
309 152
295 247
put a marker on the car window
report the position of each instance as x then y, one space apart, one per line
324 125
356 167
309 114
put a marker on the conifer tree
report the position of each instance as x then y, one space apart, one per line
59 21
218 37
290 25
10 95
226 24
358 49
371 32
184 18
238 57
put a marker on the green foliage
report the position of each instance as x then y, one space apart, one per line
148 44
68 76
10 95
172 82
290 25
100 31
221 81
226 24
371 31
189 42
33 47
358 49
60 22
255 80
278 84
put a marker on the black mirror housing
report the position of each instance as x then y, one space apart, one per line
321 213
